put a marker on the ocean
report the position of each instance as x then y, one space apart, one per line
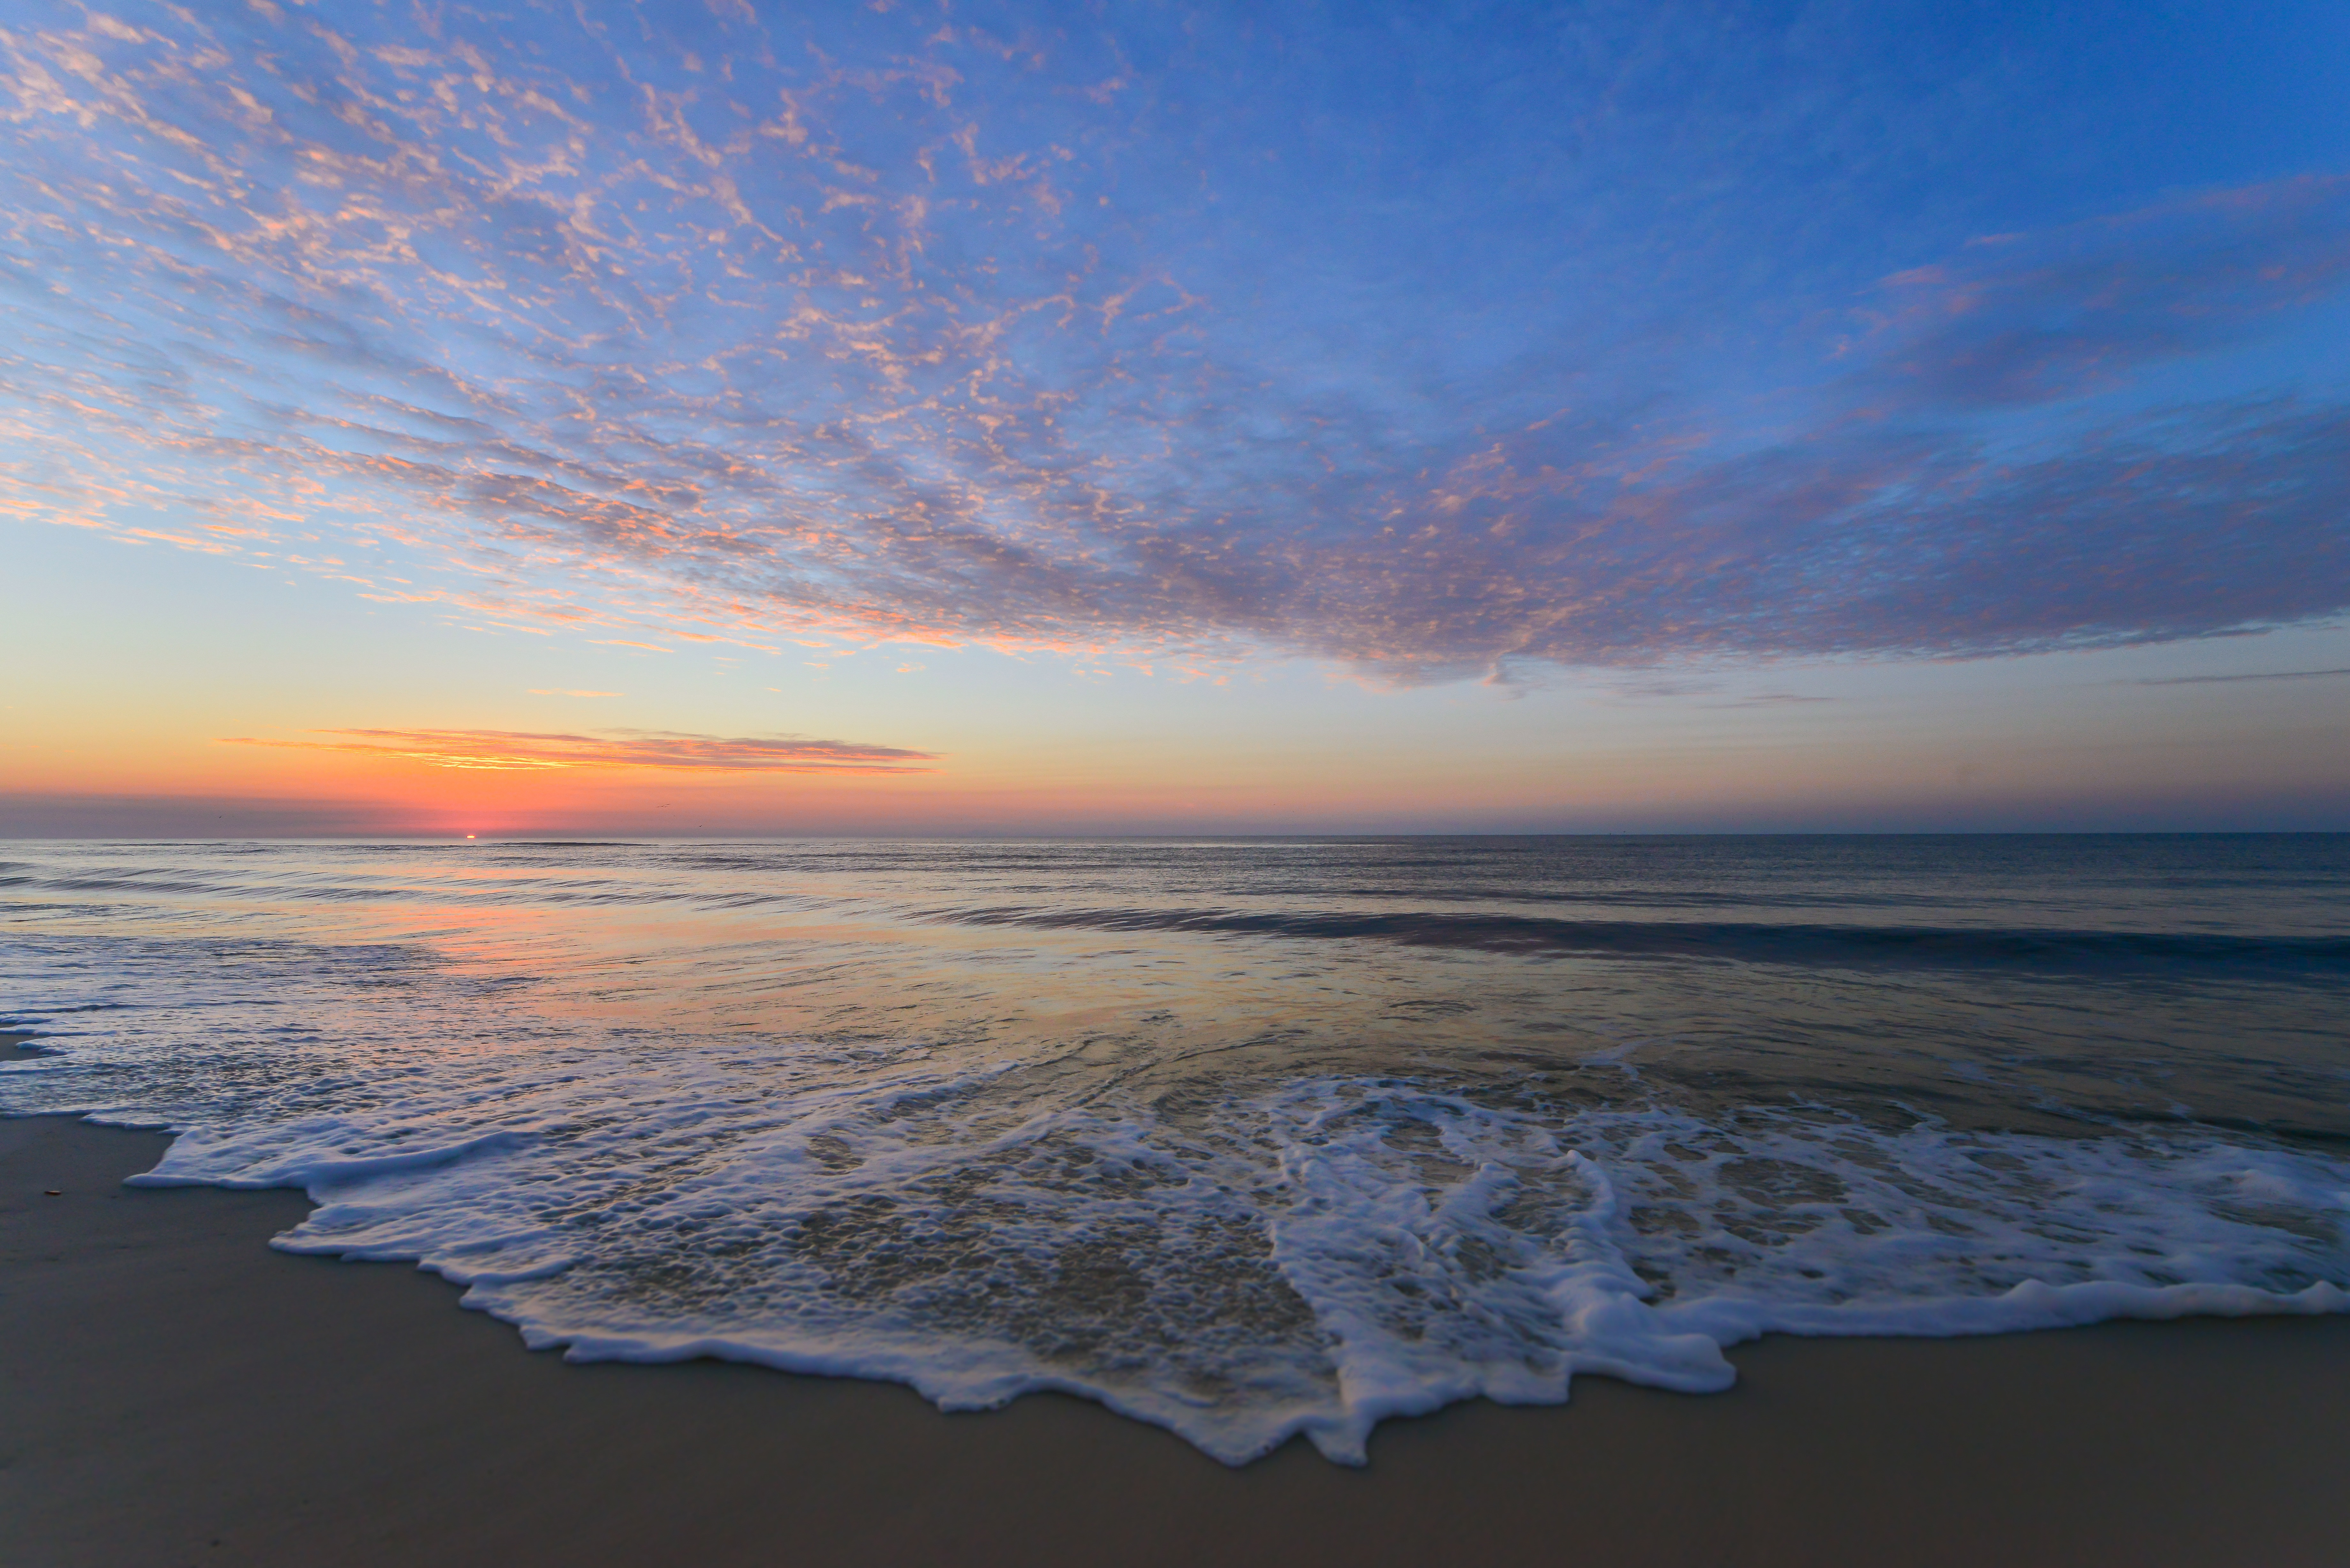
1249 1138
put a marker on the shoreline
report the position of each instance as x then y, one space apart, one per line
182 1393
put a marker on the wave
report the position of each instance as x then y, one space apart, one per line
1746 941
1242 1262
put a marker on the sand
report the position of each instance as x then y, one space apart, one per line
176 1393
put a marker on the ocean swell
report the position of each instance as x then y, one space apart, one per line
2037 949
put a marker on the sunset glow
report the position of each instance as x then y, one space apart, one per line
1293 719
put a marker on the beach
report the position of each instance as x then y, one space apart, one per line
179 1392
1213 785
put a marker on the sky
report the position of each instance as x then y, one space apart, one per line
1040 419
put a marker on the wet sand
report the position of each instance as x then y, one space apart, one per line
176 1393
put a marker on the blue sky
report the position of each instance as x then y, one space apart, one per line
1167 416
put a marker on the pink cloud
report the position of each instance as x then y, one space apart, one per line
510 751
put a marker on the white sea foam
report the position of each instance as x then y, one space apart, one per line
1310 1256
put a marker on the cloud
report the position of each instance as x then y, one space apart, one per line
2230 679
83 814
2075 312
864 338
507 751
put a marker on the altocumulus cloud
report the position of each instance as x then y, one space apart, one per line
1436 351
507 751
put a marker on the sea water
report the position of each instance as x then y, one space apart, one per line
1248 1139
